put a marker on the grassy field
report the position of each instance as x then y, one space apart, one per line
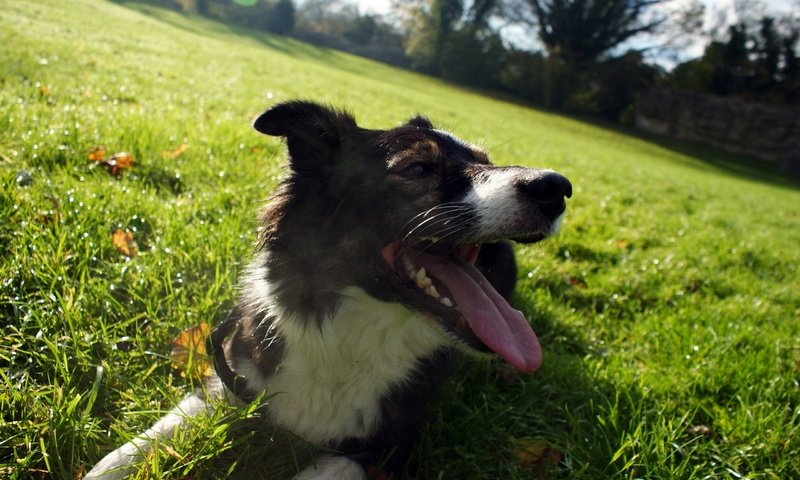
667 308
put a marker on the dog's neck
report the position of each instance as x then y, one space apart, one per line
333 376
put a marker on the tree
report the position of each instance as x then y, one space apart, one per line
281 18
757 61
583 30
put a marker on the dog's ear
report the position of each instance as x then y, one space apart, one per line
311 130
419 121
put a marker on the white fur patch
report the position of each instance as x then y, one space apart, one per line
330 467
497 204
495 200
331 381
120 463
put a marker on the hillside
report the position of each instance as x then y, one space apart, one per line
667 308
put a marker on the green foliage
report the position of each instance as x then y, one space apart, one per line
584 30
451 43
276 16
667 307
469 59
760 66
608 89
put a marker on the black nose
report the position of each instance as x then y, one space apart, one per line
548 190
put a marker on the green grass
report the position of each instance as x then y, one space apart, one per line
668 307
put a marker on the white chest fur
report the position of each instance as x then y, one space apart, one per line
331 381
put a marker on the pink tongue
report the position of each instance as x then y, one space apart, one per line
493 320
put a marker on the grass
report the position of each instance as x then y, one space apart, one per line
668 307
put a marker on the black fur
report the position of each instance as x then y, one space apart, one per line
355 205
343 208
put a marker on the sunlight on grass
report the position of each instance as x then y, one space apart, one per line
667 307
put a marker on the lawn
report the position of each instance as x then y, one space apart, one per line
667 308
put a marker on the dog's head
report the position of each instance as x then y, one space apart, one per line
401 213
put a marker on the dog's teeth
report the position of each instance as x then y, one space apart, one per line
411 269
446 302
407 265
422 280
420 275
431 291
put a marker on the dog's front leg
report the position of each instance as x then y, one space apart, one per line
332 467
120 463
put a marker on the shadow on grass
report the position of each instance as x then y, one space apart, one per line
737 165
488 417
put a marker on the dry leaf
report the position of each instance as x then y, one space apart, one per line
123 240
174 153
189 352
536 454
119 162
115 164
97 153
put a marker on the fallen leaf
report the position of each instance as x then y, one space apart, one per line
115 164
189 352
536 454
97 153
174 153
119 162
123 240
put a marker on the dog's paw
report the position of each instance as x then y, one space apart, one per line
329 467
118 464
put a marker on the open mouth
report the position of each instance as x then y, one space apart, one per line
445 284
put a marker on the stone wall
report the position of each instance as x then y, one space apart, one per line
769 133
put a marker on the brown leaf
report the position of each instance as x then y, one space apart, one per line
174 153
115 164
119 162
97 153
123 240
189 352
536 454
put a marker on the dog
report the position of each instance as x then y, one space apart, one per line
382 254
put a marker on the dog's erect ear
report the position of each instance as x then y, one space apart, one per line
310 129
420 122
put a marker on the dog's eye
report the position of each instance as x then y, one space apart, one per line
418 169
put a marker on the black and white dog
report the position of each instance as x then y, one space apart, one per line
375 263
